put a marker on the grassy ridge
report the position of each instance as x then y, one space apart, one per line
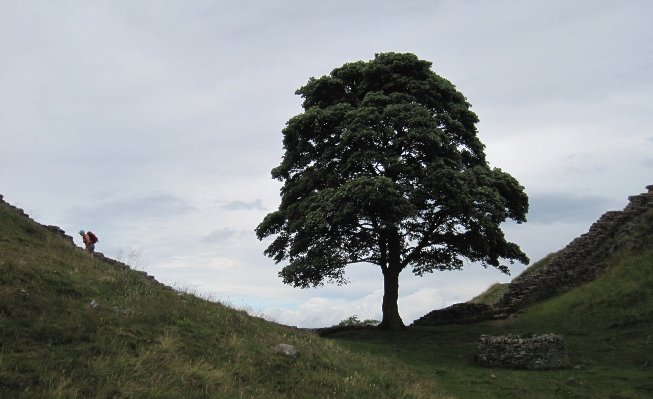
492 295
144 340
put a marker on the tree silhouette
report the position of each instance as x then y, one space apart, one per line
384 166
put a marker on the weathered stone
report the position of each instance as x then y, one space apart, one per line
287 350
60 232
459 313
581 261
542 352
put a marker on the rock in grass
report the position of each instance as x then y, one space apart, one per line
287 350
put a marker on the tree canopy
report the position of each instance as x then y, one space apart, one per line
384 166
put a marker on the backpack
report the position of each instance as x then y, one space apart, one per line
92 237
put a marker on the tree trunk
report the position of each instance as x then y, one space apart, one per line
391 318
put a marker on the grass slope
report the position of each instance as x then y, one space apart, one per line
492 295
607 324
144 340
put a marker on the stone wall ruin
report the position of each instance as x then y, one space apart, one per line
584 258
581 261
543 352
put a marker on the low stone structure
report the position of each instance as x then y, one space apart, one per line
543 352
459 313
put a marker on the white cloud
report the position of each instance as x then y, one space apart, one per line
321 312
222 235
243 205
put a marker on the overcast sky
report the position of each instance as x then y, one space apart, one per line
156 124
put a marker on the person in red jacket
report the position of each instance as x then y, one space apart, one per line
89 240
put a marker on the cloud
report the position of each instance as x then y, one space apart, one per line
257 204
222 235
325 312
648 162
135 208
131 117
584 163
566 207
421 302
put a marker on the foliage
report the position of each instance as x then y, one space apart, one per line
132 257
384 166
353 321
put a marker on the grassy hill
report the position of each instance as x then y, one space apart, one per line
492 295
73 326
607 324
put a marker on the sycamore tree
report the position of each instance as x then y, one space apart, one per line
384 166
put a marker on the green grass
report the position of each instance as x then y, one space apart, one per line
145 340
608 328
540 264
492 295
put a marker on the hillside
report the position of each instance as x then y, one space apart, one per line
77 326
607 325
615 233
606 321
